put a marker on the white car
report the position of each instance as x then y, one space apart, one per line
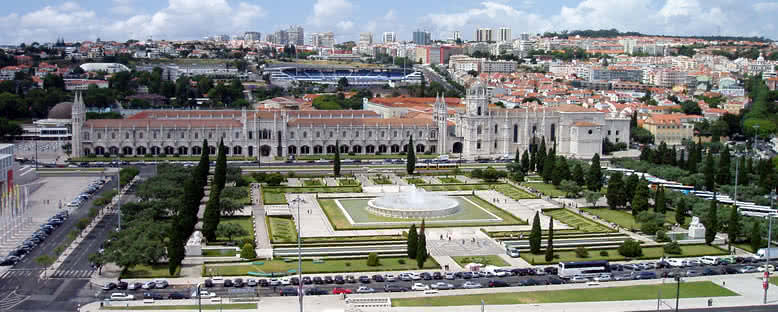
365 290
579 279
770 268
203 294
604 277
148 285
415 276
274 282
160 283
390 278
121 297
500 273
708 260
419 286
470 285
441 286
450 275
286 281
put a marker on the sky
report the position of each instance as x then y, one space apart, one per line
120 20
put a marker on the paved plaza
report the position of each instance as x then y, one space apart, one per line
48 151
461 242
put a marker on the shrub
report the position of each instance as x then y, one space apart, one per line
631 248
661 236
348 264
401 261
372 259
83 223
247 240
581 252
604 253
673 248
248 252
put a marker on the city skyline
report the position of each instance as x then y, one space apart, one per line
190 19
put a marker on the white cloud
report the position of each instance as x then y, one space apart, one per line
181 19
329 11
765 6
345 25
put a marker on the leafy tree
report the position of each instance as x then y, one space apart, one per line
650 222
691 107
640 201
535 235
756 236
533 159
342 84
413 242
630 186
230 230
336 162
673 248
248 252
594 177
421 252
659 202
53 81
550 243
578 175
681 211
44 261
581 252
570 188
616 194
733 226
410 164
631 248
592 197
229 206
710 181
712 224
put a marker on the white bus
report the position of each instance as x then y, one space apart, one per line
584 268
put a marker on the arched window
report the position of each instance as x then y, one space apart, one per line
478 130
479 111
515 133
495 129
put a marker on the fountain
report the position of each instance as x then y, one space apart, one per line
413 204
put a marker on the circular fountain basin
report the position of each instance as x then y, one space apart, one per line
413 205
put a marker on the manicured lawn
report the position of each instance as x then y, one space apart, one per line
623 217
281 230
576 221
219 252
774 280
348 182
353 238
274 195
613 254
746 247
313 182
640 292
327 266
244 222
548 189
228 306
449 180
415 181
150 271
340 222
456 187
513 192
485 260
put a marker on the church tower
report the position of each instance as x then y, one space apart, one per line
78 116
441 117
477 100
477 136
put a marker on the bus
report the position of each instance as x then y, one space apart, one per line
585 268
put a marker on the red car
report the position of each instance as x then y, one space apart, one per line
338 291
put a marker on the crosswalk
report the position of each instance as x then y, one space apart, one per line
20 274
11 300
73 274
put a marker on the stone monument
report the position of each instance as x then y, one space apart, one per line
696 229
194 246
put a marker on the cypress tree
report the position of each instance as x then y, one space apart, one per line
742 172
724 176
561 171
640 201
336 162
533 159
548 169
541 159
525 162
517 157
204 166
211 215
594 178
710 175
733 226
615 191
220 171
421 252
659 202
691 164
410 165
673 157
413 242
712 225
681 161
680 211
750 165
535 235
550 243
578 175
756 236
630 185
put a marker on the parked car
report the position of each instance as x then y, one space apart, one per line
176 295
307 280
135 286
450 275
364 279
328 280
149 285
578 279
288 291
394 288
251 282
470 285
365 290
419 287
109 286
340 290
646 275
350 279
208 283
770 268
378 278
227 282
317 280
121 297
437 275
151 295
498 283
315 291
390 278
122 285
604 277
529 282
160 283
748 269
442 286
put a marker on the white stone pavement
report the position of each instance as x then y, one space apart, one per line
263 247
330 181
314 222
523 209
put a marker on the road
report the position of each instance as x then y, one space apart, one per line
22 290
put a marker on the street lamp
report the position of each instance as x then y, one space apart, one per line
770 217
677 288
299 254
199 302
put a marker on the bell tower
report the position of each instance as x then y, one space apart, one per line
77 117
441 118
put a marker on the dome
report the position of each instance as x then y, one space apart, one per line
62 110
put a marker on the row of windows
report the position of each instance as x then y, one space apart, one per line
344 134
264 134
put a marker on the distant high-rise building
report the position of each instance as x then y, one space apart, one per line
271 38
421 37
483 34
524 36
281 37
252 35
365 38
505 34
296 35
323 40
389 37
456 35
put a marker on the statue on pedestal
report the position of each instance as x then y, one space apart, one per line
696 229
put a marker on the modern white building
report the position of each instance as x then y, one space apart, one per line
110 68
